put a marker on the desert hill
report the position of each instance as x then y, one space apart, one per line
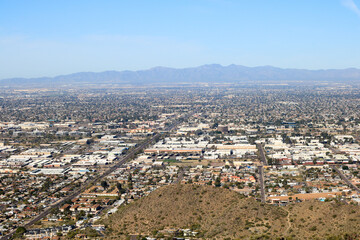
218 213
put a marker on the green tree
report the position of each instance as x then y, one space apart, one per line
104 184
120 188
217 182
130 183
19 232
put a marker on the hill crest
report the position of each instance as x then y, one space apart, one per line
221 213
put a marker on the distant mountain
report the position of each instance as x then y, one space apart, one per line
213 73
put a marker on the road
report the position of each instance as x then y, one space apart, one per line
75 193
263 162
87 184
180 177
262 154
261 182
343 177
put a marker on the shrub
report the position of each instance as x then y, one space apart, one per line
313 228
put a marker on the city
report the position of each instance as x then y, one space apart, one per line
180 120
69 162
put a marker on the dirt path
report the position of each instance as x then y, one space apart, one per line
288 220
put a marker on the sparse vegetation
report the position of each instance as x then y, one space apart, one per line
248 218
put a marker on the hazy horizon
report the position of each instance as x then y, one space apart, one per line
180 68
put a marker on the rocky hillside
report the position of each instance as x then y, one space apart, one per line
217 213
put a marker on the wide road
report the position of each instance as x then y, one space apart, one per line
263 163
87 184
261 182
343 177
180 176
262 154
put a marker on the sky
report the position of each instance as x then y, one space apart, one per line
49 38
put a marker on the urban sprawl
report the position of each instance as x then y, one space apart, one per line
70 158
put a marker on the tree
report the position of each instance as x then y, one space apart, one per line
72 234
217 182
120 188
80 215
130 183
19 232
104 184
46 185
314 161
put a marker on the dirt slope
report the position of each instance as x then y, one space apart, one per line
218 213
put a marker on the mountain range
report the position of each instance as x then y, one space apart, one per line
211 73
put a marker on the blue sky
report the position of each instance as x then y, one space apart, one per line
48 38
